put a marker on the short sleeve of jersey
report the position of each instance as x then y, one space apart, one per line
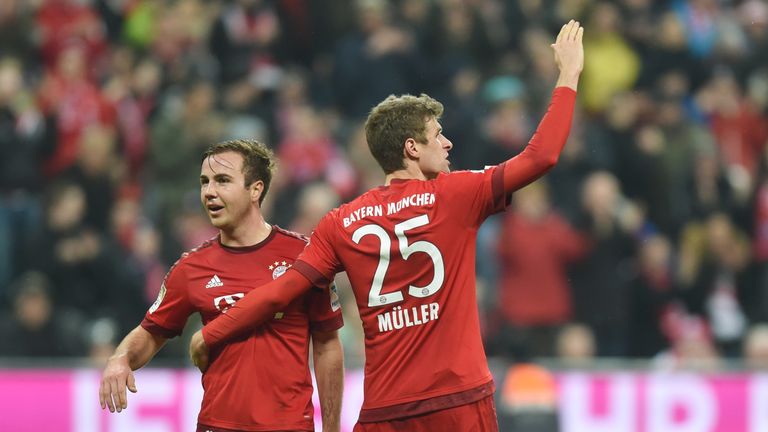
319 262
324 309
474 194
168 315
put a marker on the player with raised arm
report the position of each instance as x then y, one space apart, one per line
409 250
260 381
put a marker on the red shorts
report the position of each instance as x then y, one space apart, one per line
477 416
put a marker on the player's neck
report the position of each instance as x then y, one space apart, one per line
249 232
410 172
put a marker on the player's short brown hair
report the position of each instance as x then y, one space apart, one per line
258 160
393 121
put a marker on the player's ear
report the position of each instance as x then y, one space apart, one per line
257 188
411 149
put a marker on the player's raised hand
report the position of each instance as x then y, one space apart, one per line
116 378
569 53
198 351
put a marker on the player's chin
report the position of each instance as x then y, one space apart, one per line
216 219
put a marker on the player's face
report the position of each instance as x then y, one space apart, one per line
223 193
434 156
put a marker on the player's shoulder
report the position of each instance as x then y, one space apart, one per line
196 253
176 273
334 213
370 197
290 236
458 178
488 169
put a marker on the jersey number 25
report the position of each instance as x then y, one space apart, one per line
375 297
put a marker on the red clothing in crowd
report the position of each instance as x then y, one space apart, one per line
76 104
533 261
741 136
65 22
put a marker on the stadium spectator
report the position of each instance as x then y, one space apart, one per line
36 327
756 347
535 248
613 64
84 267
180 133
377 60
575 345
692 347
245 40
600 281
66 22
652 289
24 143
70 99
717 280
96 172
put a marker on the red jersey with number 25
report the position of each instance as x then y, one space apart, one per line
409 251
261 381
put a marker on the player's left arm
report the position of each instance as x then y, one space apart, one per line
543 150
328 358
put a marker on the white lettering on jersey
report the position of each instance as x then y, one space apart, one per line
415 200
399 318
160 297
363 212
229 301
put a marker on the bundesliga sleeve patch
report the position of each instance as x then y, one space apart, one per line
160 297
335 301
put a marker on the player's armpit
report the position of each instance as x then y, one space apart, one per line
255 308
544 148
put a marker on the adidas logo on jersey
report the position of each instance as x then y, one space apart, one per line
214 282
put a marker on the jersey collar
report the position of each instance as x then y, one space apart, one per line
246 249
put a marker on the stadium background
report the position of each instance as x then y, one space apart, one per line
644 251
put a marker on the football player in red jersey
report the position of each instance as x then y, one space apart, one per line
260 381
409 250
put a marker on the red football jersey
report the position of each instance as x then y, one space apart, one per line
409 251
260 381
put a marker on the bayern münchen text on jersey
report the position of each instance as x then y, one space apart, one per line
415 200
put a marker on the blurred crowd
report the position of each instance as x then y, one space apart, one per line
649 239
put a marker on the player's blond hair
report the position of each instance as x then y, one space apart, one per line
393 121
258 160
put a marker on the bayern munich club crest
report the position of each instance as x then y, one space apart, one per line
279 268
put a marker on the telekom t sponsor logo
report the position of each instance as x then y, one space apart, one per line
663 402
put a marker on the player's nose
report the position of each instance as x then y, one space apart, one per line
209 190
447 144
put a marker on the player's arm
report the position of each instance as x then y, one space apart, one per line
543 150
328 358
254 309
136 349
